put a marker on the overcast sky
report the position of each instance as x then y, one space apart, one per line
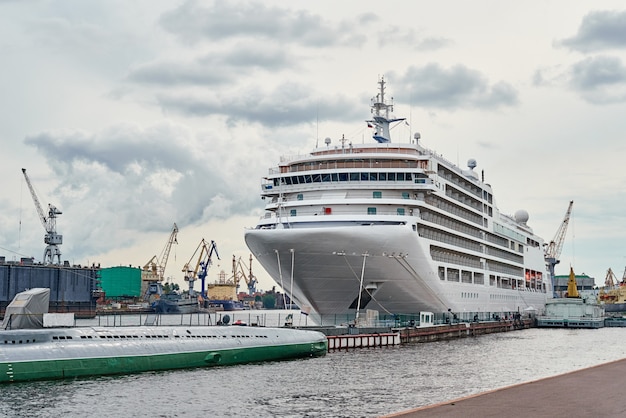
130 116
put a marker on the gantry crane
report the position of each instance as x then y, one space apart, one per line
52 239
239 272
202 265
553 250
156 266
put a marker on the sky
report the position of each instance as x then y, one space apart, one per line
132 116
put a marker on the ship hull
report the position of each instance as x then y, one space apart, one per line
327 264
80 352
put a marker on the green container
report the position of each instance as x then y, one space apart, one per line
118 282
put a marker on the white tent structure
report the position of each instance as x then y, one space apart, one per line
26 309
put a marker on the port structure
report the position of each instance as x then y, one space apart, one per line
202 265
49 222
239 273
155 267
553 250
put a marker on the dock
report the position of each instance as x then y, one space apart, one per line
352 337
590 392
338 342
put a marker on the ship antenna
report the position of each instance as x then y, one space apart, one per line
317 124
381 112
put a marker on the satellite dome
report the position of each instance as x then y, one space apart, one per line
521 216
471 163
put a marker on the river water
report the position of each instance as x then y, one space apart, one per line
355 383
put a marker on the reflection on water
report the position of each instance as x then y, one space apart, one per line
357 383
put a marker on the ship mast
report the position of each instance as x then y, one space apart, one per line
381 114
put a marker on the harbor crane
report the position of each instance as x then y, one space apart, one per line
156 266
49 222
553 250
239 272
199 272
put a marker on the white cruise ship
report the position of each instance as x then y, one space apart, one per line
396 228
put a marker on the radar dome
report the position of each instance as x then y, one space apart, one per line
521 216
471 163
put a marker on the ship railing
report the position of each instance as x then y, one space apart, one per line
339 165
390 149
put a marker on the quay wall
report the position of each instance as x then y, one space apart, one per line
460 330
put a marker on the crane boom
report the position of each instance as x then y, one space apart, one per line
155 268
556 245
165 254
239 272
202 265
553 250
52 239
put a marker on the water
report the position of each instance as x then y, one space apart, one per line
356 383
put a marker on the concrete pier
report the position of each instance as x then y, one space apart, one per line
591 392
460 330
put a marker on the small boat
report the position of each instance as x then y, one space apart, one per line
31 353
175 304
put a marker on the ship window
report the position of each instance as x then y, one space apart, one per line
382 176
442 273
364 176
292 212
373 176
334 177
479 278
288 180
400 176
354 176
453 275
391 176
405 195
400 211
301 179
343 176
377 195
317 178
300 196
371 211
325 178
308 179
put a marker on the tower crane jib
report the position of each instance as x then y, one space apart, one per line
156 266
49 222
553 250
165 254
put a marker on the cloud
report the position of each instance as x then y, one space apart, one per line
456 87
599 80
395 35
214 69
193 22
125 182
287 105
599 30
155 176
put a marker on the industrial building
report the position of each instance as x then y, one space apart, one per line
72 288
